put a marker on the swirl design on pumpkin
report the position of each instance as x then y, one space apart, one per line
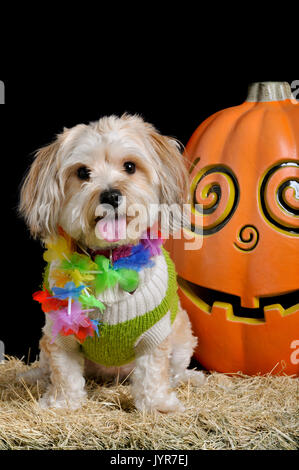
279 197
214 195
248 238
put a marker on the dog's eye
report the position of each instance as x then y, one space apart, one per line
83 173
130 167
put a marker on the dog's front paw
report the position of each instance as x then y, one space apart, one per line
60 400
195 377
165 404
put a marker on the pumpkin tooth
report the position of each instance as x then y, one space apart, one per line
222 305
269 309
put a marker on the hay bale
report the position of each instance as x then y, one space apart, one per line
228 412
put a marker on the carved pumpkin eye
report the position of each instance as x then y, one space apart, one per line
83 173
215 195
279 196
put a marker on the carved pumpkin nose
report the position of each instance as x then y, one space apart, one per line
247 239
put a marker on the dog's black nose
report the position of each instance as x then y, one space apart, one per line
112 197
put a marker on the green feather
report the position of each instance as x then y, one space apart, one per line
91 301
103 263
105 280
80 262
129 279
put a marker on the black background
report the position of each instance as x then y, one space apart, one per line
38 106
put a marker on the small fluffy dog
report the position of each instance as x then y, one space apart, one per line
116 161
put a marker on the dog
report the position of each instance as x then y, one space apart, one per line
114 162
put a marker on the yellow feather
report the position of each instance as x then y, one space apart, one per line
59 277
80 278
60 249
76 277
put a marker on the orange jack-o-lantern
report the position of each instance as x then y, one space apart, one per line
241 287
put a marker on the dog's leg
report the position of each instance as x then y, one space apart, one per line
67 382
150 382
182 346
39 373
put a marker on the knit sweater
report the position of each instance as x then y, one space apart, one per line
132 324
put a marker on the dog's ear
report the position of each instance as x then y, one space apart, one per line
173 180
42 192
172 169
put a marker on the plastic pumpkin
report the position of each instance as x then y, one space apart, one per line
241 287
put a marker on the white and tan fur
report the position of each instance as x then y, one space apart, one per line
52 195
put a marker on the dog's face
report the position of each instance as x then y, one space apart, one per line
119 166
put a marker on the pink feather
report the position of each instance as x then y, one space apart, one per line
62 321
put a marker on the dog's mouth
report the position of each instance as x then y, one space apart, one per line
111 227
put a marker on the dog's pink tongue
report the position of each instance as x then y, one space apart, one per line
111 230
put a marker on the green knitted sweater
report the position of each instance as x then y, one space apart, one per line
115 344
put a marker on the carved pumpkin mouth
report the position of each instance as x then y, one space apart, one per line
209 296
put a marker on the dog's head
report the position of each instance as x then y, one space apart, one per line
117 165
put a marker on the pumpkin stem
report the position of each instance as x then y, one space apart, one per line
269 91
